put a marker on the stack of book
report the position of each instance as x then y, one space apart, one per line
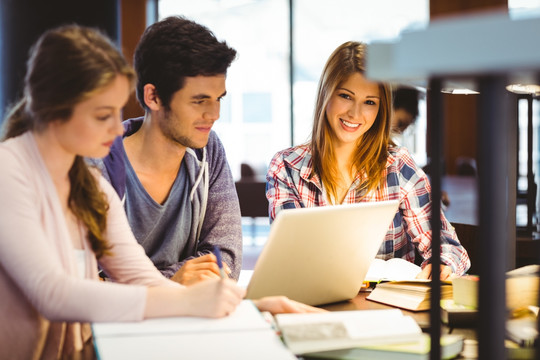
413 295
522 290
396 285
461 309
360 334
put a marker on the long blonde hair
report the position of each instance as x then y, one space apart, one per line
372 150
68 65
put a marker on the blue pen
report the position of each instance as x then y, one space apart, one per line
217 252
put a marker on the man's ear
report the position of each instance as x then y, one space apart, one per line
151 98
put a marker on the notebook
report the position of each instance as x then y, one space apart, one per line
322 254
244 334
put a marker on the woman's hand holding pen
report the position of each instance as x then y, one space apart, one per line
227 294
210 298
213 298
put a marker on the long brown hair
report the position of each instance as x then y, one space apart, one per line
372 150
68 65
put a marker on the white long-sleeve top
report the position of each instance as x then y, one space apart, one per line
43 300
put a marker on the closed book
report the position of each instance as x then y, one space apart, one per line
414 295
466 290
314 332
451 347
522 288
456 315
522 331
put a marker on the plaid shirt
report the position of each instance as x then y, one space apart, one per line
289 186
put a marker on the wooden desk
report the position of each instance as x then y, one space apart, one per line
361 303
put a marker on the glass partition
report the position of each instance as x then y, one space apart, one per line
256 113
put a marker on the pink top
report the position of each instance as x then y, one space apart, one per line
41 292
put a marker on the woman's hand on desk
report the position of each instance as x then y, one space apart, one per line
211 298
282 304
446 272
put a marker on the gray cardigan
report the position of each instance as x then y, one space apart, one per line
214 202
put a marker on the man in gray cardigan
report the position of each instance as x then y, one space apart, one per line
170 167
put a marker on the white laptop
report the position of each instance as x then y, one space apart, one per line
322 254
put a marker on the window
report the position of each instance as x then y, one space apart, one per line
319 29
255 117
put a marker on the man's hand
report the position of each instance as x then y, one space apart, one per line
199 269
446 272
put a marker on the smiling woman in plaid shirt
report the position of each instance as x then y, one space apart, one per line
351 159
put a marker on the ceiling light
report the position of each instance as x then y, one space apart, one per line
530 89
459 91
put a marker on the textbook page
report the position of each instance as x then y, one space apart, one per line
395 269
245 317
225 345
245 334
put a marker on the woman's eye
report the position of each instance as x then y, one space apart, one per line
104 117
345 96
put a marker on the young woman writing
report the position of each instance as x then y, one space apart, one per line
59 219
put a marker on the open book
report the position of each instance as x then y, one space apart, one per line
244 334
313 332
414 295
392 269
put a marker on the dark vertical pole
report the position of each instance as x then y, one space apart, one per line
291 66
518 145
512 134
494 212
23 21
518 138
531 190
535 237
435 118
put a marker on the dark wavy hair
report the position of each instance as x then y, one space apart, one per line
173 49
68 65
407 98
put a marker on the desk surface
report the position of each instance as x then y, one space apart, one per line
145 347
361 303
